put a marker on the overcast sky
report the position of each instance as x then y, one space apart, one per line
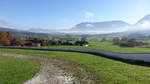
64 14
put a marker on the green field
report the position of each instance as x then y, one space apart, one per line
16 71
109 71
107 46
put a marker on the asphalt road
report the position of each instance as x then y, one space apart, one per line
138 59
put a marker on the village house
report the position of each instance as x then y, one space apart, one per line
81 43
36 43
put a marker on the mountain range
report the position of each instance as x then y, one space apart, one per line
102 26
111 25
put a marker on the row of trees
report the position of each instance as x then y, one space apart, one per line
127 42
7 39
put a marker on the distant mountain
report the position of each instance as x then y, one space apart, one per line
8 29
144 19
102 26
15 32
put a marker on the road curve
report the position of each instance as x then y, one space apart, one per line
132 58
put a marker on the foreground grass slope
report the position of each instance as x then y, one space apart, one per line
110 71
107 46
16 71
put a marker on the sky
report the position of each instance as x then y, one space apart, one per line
64 14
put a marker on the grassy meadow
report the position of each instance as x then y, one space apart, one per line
16 71
109 71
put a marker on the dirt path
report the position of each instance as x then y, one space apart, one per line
52 72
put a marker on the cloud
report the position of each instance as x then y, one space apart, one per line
89 25
145 24
3 22
142 26
89 14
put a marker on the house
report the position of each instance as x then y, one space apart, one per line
50 42
81 43
29 43
35 42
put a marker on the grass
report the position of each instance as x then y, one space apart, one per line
107 46
109 71
16 71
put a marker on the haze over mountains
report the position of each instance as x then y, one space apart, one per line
142 26
117 26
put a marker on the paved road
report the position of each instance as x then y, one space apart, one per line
139 59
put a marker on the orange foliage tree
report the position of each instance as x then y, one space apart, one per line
5 38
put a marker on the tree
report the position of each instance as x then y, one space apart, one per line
116 41
5 38
127 42
83 39
103 39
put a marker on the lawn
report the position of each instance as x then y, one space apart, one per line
16 71
109 71
107 46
